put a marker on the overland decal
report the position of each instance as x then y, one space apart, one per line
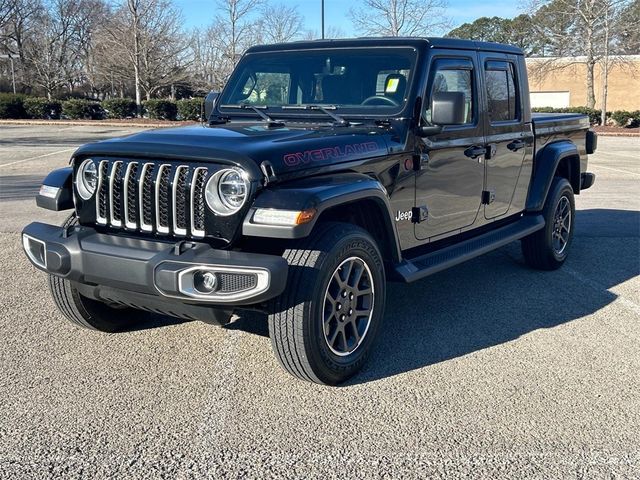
321 154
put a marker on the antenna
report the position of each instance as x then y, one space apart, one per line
322 16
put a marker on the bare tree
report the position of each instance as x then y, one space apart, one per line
54 52
215 51
210 65
330 32
18 27
628 41
6 10
147 36
586 34
279 23
163 52
237 26
395 18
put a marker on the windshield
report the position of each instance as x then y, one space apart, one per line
366 81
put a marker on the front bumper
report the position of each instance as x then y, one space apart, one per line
159 271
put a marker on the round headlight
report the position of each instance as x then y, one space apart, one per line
87 179
227 191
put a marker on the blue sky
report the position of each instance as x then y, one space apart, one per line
201 12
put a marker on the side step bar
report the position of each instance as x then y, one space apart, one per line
413 269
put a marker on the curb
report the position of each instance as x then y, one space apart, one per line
618 134
115 123
89 123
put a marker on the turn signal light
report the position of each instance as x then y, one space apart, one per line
286 218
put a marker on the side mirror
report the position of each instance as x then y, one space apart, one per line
209 103
448 108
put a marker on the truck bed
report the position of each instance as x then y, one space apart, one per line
548 123
550 127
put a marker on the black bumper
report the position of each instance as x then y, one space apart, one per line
157 271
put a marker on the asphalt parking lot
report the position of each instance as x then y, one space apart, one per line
488 369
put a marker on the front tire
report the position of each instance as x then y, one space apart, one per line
324 325
85 312
88 313
548 248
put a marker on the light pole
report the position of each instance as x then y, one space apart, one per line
322 16
13 73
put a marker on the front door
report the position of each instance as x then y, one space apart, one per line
450 181
505 132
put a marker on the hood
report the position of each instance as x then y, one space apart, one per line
288 149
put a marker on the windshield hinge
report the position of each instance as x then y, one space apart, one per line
268 172
383 122
217 120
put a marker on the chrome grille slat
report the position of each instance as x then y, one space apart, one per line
162 198
154 197
145 194
179 203
115 186
101 197
197 201
130 196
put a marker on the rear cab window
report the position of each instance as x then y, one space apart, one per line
503 102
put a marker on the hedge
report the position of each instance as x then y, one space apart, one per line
12 106
161 109
22 106
42 108
626 119
119 107
622 118
190 109
82 109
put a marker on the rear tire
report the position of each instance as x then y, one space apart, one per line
85 312
323 326
548 248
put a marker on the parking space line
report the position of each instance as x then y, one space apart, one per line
35 158
595 165
629 304
624 154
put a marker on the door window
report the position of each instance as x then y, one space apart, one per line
502 95
447 79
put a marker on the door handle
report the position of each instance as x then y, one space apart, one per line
516 145
475 151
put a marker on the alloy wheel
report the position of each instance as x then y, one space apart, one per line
348 306
561 226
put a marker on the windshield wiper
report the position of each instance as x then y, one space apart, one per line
326 109
271 122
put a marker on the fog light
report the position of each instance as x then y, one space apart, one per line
35 250
205 281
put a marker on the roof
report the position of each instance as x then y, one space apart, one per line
417 42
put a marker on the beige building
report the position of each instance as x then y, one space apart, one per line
564 83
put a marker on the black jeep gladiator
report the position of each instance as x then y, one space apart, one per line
323 170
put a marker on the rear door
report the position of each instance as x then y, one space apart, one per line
505 134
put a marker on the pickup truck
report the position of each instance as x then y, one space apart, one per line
323 170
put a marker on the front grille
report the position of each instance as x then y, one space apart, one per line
236 282
152 197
